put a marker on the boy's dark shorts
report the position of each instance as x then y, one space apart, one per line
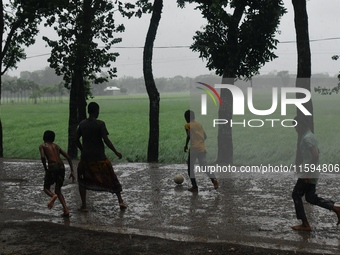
54 174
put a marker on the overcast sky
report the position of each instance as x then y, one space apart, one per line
177 28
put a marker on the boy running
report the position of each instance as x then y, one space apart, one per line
54 170
307 181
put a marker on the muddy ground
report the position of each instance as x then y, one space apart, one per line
247 215
32 237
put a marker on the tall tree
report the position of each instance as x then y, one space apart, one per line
77 55
303 62
150 84
19 25
237 41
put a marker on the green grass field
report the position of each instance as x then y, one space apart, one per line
127 119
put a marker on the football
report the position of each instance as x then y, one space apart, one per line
178 179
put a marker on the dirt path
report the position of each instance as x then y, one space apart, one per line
245 216
54 239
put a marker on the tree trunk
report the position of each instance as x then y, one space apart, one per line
1 54
81 100
153 145
77 109
225 152
72 123
304 61
84 39
77 95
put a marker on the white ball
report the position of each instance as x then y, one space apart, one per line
178 179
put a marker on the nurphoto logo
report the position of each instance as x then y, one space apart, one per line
204 97
239 104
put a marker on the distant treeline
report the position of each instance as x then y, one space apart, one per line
46 85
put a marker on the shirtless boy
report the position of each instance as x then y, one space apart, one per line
54 170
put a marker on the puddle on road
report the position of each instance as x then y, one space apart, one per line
256 210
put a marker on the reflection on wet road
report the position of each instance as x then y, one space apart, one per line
250 209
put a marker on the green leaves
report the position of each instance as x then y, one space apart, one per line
86 31
20 20
239 36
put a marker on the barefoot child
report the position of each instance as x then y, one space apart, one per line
196 135
95 171
54 169
307 180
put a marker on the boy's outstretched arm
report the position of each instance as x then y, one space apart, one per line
69 160
109 144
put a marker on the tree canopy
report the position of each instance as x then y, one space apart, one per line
86 30
251 25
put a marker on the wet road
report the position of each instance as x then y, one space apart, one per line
251 209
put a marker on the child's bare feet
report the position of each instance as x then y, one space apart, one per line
83 209
122 206
51 203
336 209
193 189
302 227
65 215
